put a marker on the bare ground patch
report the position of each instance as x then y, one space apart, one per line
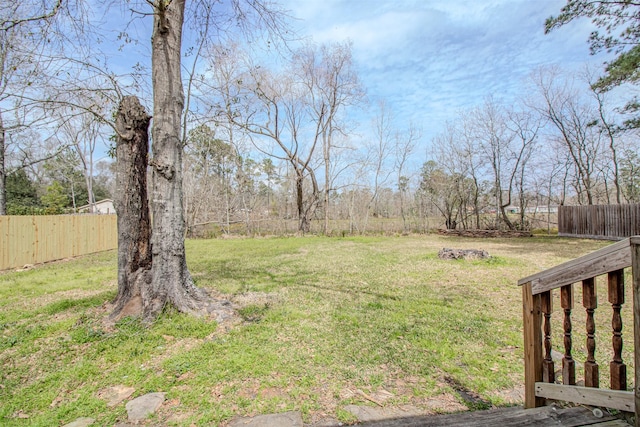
40 301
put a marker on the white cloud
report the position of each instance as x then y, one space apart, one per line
431 58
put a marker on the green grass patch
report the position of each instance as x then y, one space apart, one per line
321 318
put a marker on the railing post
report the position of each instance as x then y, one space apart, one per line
568 364
590 303
532 319
635 269
617 368
548 370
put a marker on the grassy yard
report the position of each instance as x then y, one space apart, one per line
324 322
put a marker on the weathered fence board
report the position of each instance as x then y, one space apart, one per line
37 239
599 221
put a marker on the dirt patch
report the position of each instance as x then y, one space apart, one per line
252 389
172 348
442 404
30 302
254 298
512 396
172 412
115 395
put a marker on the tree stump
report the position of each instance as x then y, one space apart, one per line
132 206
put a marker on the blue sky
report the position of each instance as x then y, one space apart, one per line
430 59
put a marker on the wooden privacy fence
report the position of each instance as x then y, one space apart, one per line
537 294
599 221
36 239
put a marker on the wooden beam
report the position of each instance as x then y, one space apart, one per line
614 399
545 416
612 423
635 268
532 321
610 258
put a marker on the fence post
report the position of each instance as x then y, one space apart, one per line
532 320
635 268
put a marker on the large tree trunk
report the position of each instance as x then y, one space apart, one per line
303 226
172 283
132 207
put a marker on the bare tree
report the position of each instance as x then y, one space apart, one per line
405 146
47 62
441 189
608 131
218 91
495 142
22 33
171 282
454 175
211 165
379 152
525 125
332 86
358 194
291 115
280 116
573 121
82 132
466 152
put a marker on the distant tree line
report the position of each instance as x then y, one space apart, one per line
56 186
276 156
494 166
293 139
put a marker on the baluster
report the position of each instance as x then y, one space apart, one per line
590 303
568 364
616 297
548 373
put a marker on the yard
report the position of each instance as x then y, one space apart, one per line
323 323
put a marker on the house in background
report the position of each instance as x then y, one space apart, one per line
104 207
543 209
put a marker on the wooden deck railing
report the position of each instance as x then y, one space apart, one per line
537 294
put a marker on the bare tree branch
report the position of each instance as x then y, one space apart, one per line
9 24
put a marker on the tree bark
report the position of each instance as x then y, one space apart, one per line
132 207
172 283
303 221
